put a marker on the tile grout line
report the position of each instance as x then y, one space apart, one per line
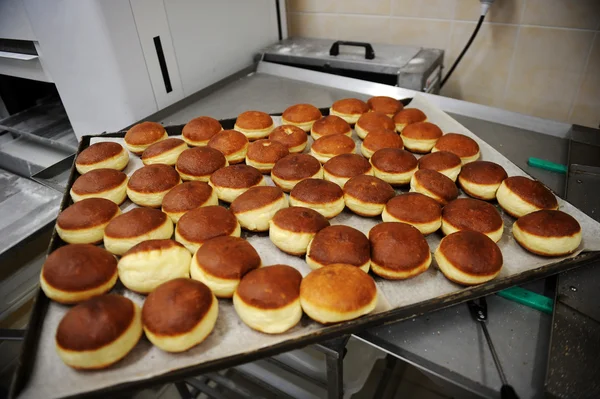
523 11
582 77
513 56
449 43
511 65
389 27
335 14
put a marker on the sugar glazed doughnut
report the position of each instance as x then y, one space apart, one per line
143 135
104 155
268 299
99 332
292 229
337 293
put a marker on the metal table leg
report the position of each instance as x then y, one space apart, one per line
201 384
10 334
183 391
335 377
390 364
334 350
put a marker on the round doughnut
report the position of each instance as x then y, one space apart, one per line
468 258
378 139
372 121
104 155
407 116
187 196
474 215
394 165
398 251
233 144
263 154
222 262
294 138
268 299
519 195
292 229
135 226
255 208
341 168
151 263
434 185
339 244
415 209
337 293
110 184
84 221
386 105
548 233
301 115
77 272
143 135
325 197
254 124
232 181
329 125
367 195
444 162
99 332
201 224
328 147
349 109
420 137
166 152
199 163
179 314
199 131
465 147
481 179
294 168
148 185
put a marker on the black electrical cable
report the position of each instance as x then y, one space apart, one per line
464 51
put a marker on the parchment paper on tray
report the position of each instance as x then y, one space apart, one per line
52 378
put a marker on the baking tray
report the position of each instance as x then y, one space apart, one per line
27 360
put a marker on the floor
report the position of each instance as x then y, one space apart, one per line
412 384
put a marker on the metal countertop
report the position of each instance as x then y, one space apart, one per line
25 207
447 343
267 93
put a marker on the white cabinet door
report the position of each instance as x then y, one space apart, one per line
14 23
157 45
91 51
214 39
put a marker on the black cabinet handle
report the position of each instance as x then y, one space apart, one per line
162 62
369 52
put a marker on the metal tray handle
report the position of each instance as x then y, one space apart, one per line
369 52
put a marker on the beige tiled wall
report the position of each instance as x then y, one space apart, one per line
538 57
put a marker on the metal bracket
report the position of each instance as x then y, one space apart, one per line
11 334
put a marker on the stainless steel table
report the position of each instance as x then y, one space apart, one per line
447 343
25 207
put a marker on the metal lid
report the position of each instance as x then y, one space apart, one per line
389 59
